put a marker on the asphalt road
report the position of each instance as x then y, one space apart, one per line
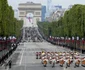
24 57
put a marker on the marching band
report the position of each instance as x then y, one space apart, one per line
61 58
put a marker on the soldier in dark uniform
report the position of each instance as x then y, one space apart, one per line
10 63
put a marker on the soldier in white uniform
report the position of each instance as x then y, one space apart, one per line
36 55
45 61
43 54
68 62
77 62
53 62
56 54
61 61
83 62
50 59
42 59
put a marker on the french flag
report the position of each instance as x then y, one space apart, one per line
29 18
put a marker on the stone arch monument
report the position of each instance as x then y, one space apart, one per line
30 7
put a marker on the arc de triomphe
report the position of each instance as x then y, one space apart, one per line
30 7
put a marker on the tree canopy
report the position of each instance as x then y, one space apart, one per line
71 24
8 24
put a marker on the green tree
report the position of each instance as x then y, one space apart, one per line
0 15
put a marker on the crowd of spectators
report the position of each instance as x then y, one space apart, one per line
73 43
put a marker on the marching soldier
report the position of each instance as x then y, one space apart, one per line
40 55
36 55
61 61
63 53
42 59
57 59
77 62
50 59
43 53
53 62
45 62
61 58
71 59
56 54
68 62
48 54
83 62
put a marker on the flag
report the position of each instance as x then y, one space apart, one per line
29 18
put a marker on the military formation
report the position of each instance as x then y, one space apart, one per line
61 58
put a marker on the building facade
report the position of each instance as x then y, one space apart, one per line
56 15
30 7
43 13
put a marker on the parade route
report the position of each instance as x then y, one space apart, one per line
24 57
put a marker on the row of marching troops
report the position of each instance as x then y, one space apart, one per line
61 58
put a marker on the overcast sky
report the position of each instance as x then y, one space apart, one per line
64 3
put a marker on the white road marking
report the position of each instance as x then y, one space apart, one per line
25 64
21 57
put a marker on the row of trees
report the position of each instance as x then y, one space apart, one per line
71 24
8 24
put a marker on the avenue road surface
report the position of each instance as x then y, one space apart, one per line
24 57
